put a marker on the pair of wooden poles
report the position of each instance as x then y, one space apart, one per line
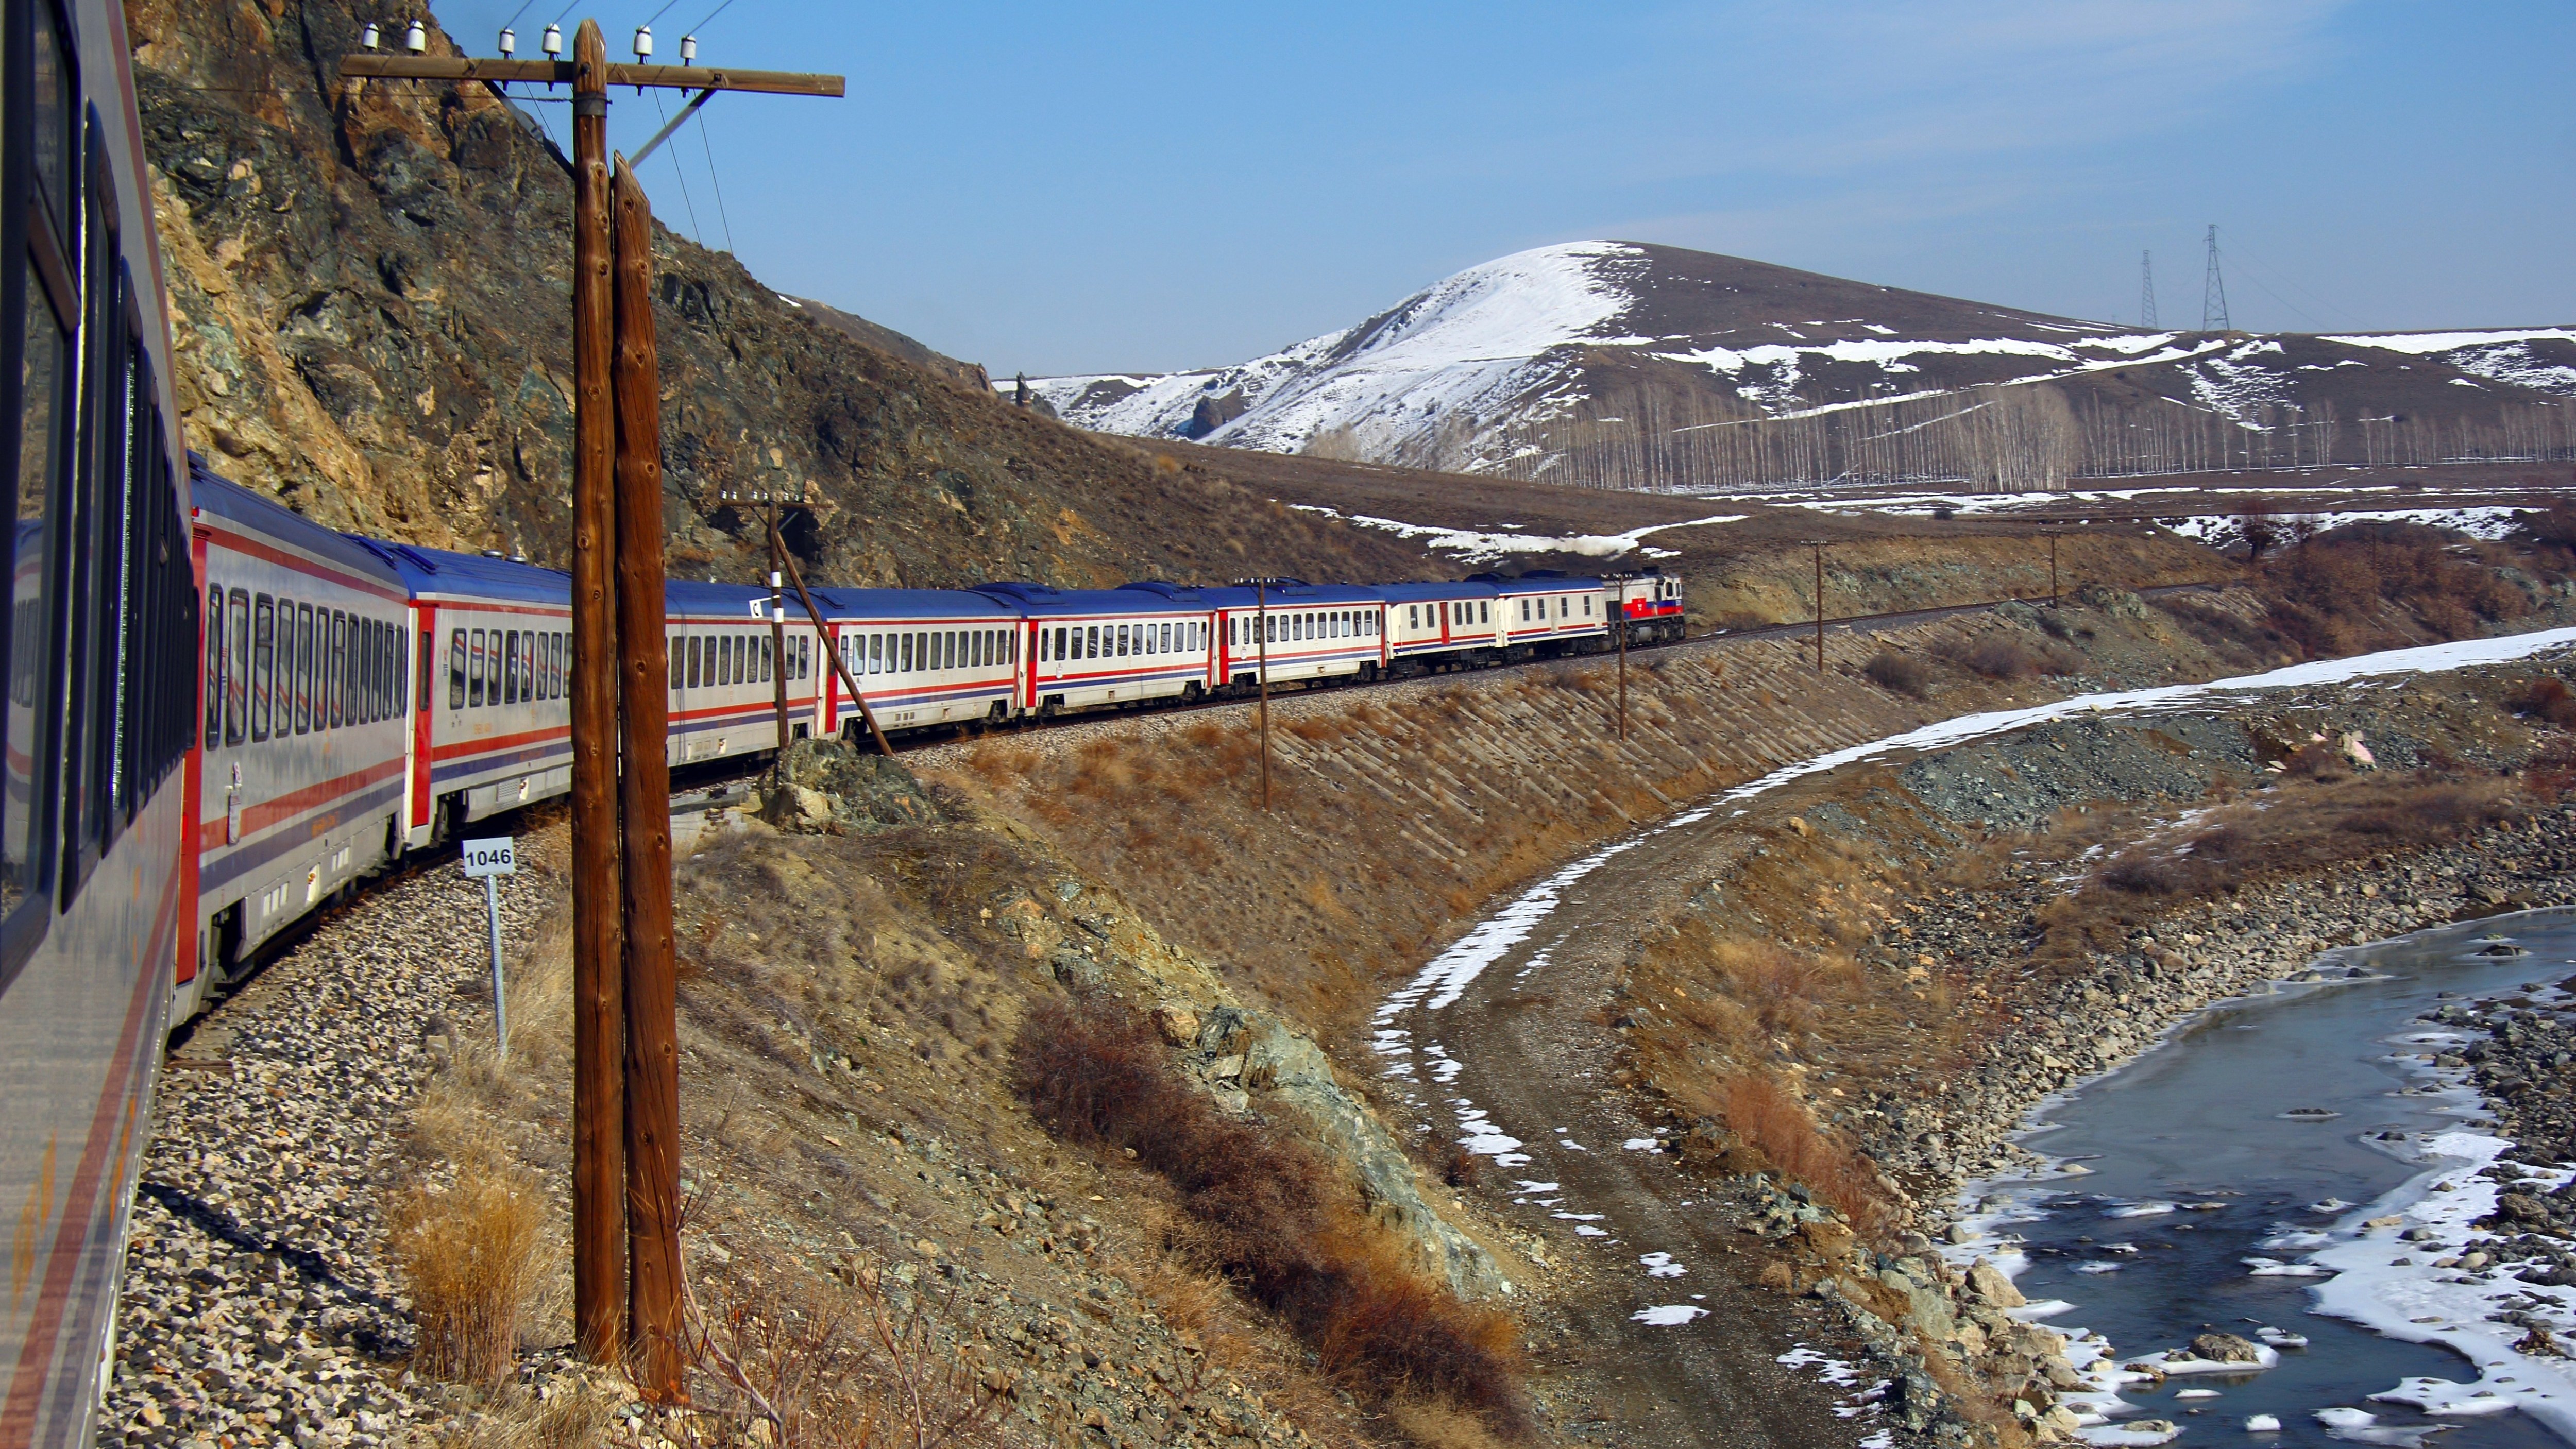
626 1089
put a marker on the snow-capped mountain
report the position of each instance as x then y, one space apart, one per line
1619 362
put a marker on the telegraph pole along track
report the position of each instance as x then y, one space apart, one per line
626 1195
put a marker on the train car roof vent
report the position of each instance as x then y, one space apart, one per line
494 553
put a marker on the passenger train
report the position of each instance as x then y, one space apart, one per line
221 715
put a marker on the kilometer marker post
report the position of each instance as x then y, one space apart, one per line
492 859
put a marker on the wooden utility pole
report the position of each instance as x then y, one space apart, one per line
822 641
1619 622
1818 545
625 1122
599 998
778 626
654 1331
1261 614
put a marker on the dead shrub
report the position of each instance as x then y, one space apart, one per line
1780 987
2326 589
1997 656
1767 1115
1264 1211
469 1256
834 1368
2548 698
1897 673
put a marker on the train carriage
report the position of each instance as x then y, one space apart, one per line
302 750
723 671
923 657
99 654
1085 648
1442 625
489 726
1303 632
1545 613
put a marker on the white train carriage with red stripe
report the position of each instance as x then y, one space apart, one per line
922 657
303 751
1086 648
724 665
488 724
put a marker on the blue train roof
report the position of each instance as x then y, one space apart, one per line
1292 595
439 573
212 493
697 599
1437 591
1041 601
901 604
1539 581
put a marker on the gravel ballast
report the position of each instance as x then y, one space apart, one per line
257 1304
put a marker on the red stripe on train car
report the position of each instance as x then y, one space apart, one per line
27 1386
257 818
297 563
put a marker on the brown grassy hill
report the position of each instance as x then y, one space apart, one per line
370 289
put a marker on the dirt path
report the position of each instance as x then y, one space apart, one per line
1523 1051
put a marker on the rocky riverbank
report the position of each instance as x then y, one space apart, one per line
2093 1020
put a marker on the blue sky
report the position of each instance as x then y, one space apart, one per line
1074 188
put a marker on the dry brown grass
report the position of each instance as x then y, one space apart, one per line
468 1255
1771 1118
833 1365
1267 1213
2330 593
570 1415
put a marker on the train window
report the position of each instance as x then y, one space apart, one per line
428 664
237 667
741 673
263 663
335 682
688 671
899 654
1054 651
707 660
510 666
526 657
375 691
213 684
1587 606
57 101
804 656
474 672
947 651
297 645
875 654
455 669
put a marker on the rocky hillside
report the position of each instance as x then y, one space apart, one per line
370 288
1634 365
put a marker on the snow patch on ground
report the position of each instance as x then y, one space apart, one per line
1475 546
1668 1315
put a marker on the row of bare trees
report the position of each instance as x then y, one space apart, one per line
2002 438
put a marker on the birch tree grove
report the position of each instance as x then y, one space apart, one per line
2004 438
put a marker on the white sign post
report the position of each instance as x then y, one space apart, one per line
493 859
